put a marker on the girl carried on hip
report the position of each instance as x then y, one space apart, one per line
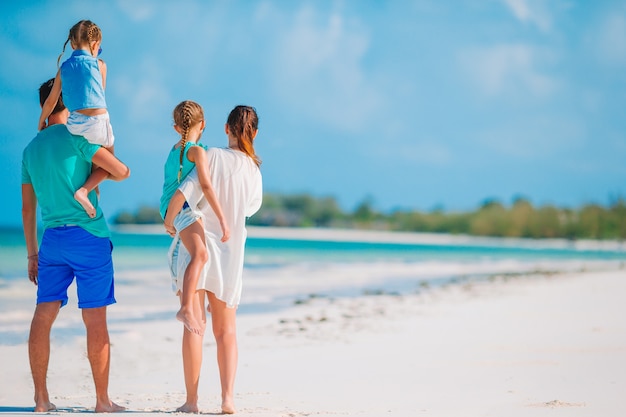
82 80
184 156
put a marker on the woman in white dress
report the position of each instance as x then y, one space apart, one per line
237 183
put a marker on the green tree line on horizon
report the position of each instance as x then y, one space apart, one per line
492 218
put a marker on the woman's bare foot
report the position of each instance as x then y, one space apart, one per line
109 407
185 316
228 407
44 407
82 196
188 408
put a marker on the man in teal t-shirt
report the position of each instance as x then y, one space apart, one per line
54 164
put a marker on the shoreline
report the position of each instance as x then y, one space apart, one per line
396 237
515 346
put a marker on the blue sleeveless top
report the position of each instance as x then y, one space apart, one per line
81 82
172 166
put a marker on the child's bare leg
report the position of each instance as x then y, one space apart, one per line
82 194
193 239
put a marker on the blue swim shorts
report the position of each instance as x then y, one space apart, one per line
70 251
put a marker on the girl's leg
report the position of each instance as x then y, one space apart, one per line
193 239
82 194
192 359
224 329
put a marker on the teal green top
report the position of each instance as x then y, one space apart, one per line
57 164
170 174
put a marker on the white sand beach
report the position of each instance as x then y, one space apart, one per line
530 344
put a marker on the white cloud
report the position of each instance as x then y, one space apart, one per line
611 41
532 12
534 137
319 69
137 10
508 68
141 95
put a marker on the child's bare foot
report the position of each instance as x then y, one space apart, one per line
109 407
188 408
185 316
228 406
82 196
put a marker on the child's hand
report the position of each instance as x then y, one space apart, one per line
42 124
170 229
226 232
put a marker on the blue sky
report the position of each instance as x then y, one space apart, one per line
411 104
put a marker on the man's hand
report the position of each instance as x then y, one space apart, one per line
33 268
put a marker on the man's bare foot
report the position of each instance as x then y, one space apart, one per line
44 407
109 407
82 196
186 317
188 408
228 407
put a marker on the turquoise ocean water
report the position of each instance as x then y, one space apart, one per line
140 251
280 272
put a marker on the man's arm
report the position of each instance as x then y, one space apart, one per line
29 222
107 161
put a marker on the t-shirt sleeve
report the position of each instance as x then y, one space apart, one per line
88 150
25 174
190 187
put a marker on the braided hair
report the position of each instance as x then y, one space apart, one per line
186 115
243 122
83 32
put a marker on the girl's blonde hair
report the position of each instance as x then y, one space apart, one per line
186 114
243 122
83 32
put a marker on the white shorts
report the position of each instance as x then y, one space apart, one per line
96 129
185 218
178 260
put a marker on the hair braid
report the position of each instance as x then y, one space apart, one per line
186 115
93 34
63 51
83 32
183 140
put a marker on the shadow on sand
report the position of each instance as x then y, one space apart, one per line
62 410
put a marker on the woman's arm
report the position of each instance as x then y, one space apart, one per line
50 102
174 207
197 155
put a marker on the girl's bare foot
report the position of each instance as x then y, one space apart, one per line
185 316
228 407
188 408
109 407
82 196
